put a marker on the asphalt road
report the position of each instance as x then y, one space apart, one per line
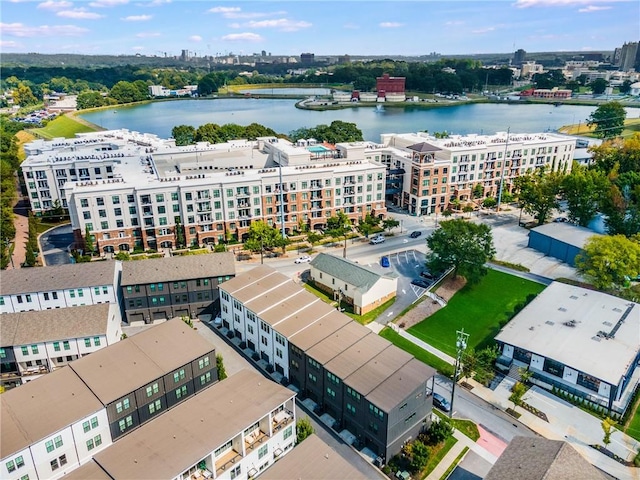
54 243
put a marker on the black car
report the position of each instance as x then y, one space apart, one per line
415 234
441 402
428 275
418 282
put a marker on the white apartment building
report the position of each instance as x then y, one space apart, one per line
426 173
33 289
213 192
36 343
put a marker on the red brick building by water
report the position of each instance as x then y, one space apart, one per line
386 84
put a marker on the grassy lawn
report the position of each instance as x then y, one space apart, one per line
466 427
363 319
478 309
44 226
62 126
455 463
422 355
437 454
631 125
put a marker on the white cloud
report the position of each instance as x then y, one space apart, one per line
557 3
223 9
283 24
137 49
351 26
245 37
9 44
21 30
235 25
454 23
484 30
592 8
195 38
52 5
391 24
79 14
155 3
147 34
247 15
137 18
108 3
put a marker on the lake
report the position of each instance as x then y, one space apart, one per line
282 116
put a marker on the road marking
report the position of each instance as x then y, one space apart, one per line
389 314
404 292
405 241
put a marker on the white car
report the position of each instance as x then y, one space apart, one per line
303 259
377 240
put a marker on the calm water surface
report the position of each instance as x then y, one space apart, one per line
282 116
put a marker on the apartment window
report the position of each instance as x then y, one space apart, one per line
351 409
3 353
125 423
25 350
353 393
313 378
56 346
203 362
123 405
155 407
34 349
84 202
11 466
58 441
331 392
90 444
49 445
262 451
87 342
54 464
96 341
206 378
376 411
287 433
181 392
178 375
152 389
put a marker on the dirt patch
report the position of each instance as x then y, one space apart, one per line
428 307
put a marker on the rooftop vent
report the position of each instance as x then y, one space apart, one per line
562 309
573 297
549 322
570 323
597 339
608 324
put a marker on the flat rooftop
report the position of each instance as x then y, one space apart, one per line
567 233
589 331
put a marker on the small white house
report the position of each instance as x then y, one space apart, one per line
350 282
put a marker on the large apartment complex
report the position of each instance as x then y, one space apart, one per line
137 190
378 392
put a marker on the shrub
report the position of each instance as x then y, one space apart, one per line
439 432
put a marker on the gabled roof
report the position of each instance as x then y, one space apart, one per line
25 328
536 458
423 147
178 268
352 273
60 277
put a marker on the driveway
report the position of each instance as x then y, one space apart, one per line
54 243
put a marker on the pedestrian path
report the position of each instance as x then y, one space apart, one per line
425 346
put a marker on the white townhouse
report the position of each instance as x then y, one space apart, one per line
39 342
34 289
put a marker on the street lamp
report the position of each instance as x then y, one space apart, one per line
461 346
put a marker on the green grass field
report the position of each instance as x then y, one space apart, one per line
478 309
62 126
633 429
422 355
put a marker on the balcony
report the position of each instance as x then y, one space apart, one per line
282 419
227 461
256 438
35 370
201 474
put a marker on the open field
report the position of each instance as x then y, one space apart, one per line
631 126
478 309
62 126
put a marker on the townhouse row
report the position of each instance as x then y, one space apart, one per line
132 190
378 392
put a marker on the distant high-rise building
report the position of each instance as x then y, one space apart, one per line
184 55
628 56
344 59
264 53
307 58
519 57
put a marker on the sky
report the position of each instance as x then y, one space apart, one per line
327 27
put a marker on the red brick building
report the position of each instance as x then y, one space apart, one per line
386 84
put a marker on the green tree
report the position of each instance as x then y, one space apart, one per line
608 119
625 87
598 86
23 96
88 241
303 429
439 431
419 456
183 134
463 245
263 237
607 427
625 152
583 190
339 226
89 99
489 202
525 374
390 223
30 256
538 193
222 373
313 237
517 394
179 229
607 260
478 190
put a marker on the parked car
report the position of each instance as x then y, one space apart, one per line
376 240
415 234
428 275
384 262
419 282
560 220
303 259
441 402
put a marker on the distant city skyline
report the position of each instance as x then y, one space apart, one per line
329 27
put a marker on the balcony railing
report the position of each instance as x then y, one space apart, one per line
254 439
227 461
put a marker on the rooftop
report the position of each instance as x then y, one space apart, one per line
312 459
178 268
26 328
184 435
132 363
24 421
60 277
589 331
567 233
536 458
352 273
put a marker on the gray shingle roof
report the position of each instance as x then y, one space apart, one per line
534 458
350 272
178 268
423 147
26 328
62 277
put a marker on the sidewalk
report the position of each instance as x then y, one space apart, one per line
568 423
21 224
